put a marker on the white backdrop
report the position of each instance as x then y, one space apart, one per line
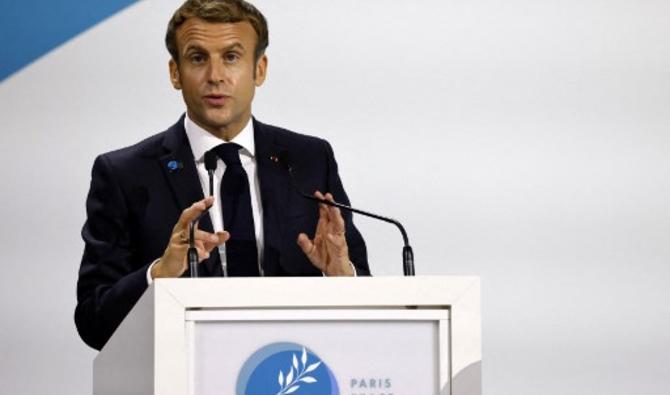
526 142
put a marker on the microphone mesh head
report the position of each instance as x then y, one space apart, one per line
210 160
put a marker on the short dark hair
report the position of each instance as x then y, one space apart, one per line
218 11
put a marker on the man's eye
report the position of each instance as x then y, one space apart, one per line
231 57
197 59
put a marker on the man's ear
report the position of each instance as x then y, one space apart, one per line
261 70
174 74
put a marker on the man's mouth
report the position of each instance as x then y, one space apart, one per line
215 100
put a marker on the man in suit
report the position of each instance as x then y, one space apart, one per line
143 198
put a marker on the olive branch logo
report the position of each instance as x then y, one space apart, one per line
296 375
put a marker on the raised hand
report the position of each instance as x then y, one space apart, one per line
174 263
328 249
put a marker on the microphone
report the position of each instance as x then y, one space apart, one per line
407 254
211 160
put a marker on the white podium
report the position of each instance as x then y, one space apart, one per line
276 336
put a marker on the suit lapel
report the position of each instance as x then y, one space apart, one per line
274 184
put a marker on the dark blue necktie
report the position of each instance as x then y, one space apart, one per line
238 220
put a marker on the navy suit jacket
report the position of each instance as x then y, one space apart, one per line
135 200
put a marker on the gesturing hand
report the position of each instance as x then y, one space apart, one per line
173 263
328 250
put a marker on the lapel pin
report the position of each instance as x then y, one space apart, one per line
174 166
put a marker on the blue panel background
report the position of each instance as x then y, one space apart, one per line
30 29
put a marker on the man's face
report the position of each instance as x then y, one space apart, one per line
217 74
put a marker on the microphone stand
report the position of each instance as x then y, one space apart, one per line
192 251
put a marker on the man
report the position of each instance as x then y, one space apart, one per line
143 198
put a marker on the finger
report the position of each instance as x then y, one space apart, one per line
334 215
204 247
206 237
311 248
306 245
202 252
182 237
311 251
322 224
192 212
337 220
321 196
323 215
331 210
222 237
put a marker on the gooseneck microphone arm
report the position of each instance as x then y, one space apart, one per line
210 165
407 253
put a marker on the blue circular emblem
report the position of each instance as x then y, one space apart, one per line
173 165
285 368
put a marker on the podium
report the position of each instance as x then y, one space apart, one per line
332 335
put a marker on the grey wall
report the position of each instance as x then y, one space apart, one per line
522 141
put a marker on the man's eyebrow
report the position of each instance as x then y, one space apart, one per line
193 47
235 46
197 47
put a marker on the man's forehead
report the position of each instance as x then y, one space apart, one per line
198 31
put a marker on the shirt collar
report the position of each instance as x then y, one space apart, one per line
202 141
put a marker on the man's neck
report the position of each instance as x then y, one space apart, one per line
226 132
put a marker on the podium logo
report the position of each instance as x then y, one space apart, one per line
285 368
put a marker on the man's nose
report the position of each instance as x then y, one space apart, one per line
217 72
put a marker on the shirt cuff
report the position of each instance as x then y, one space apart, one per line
149 278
